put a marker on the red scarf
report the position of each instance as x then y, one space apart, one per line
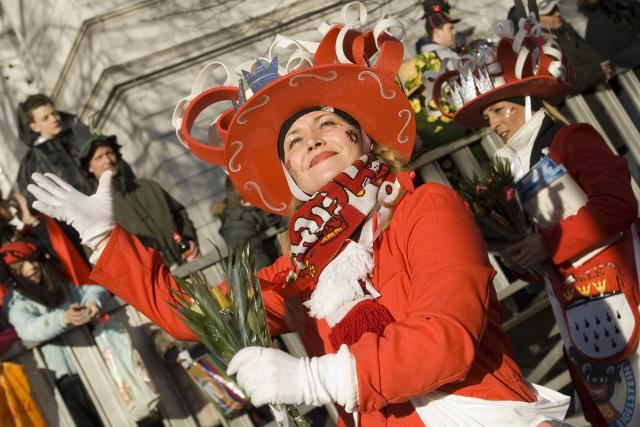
324 226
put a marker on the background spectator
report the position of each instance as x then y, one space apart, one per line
418 74
141 206
609 32
41 306
242 222
590 66
52 137
440 29
18 223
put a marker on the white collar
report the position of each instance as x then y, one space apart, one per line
526 135
41 140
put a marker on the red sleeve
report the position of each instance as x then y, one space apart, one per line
138 275
447 302
604 177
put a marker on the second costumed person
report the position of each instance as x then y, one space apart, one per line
388 285
578 193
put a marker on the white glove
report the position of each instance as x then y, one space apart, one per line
91 216
272 376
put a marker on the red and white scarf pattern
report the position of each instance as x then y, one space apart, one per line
321 233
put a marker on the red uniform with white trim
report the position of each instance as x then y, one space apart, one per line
607 388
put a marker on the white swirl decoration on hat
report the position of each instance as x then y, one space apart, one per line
231 167
480 73
404 138
249 185
261 102
331 75
363 74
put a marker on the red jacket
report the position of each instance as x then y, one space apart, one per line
432 272
611 206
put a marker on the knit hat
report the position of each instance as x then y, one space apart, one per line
91 144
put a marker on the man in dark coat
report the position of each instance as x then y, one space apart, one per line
244 223
141 206
610 33
590 66
52 137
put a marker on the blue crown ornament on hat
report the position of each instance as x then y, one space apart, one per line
256 81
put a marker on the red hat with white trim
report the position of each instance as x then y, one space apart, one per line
528 62
352 70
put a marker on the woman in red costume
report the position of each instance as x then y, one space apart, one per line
388 285
578 193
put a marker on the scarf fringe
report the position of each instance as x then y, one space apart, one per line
367 316
340 281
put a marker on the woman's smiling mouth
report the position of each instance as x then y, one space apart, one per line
321 157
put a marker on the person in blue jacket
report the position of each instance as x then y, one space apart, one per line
41 306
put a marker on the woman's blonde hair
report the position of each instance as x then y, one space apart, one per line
380 152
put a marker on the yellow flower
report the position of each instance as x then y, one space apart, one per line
417 107
411 84
220 298
445 108
438 129
432 104
445 119
431 119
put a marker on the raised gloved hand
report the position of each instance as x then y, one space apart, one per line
272 376
91 216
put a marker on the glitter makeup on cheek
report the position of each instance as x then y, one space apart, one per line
508 112
351 134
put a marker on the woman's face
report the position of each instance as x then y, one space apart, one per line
318 146
505 118
30 270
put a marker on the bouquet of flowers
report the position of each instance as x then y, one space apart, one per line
496 206
227 323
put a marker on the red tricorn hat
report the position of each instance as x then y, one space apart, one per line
249 133
529 63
